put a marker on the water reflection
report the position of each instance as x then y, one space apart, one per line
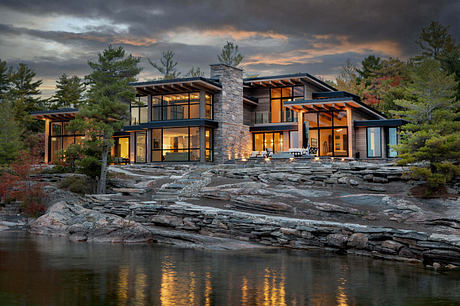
42 271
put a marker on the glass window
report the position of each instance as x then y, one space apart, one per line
325 119
156 139
208 106
121 147
298 91
294 139
156 113
209 140
195 97
340 119
325 142
313 140
175 139
341 142
268 141
278 142
143 101
194 111
276 93
258 142
286 92
156 100
143 117
194 137
374 143
311 118
276 111
56 129
141 151
392 141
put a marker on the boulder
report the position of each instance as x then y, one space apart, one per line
358 241
337 240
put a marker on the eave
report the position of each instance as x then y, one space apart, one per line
287 80
162 87
65 114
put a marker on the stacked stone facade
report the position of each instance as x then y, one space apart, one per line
232 139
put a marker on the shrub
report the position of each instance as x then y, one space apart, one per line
77 184
18 184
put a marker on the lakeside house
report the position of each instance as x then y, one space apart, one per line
227 117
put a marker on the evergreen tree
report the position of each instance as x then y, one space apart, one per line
69 92
4 80
195 72
230 55
431 140
370 65
436 42
347 80
10 133
108 102
167 65
22 93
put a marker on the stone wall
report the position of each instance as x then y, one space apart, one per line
387 243
232 137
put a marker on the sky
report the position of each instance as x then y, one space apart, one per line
275 37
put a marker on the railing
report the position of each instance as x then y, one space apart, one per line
267 117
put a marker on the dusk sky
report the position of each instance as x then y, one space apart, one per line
276 37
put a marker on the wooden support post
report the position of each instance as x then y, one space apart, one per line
300 128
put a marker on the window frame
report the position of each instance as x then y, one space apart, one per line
263 140
61 136
135 147
163 107
292 97
367 141
333 127
188 149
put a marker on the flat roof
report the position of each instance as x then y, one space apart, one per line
379 123
337 103
160 87
56 114
315 80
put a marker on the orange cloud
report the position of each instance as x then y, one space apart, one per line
322 46
241 34
134 41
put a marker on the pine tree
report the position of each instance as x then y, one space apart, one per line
347 80
10 133
108 102
431 140
4 80
167 65
22 93
230 55
370 65
69 92
195 72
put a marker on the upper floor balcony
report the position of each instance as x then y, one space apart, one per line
269 117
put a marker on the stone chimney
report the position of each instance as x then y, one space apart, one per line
232 137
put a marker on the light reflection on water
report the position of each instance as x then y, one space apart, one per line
43 271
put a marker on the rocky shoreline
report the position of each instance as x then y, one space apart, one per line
189 225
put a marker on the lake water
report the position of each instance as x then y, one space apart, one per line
52 271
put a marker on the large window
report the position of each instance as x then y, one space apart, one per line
374 142
327 132
141 147
60 138
139 110
180 106
121 149
392 140
180 144
280 113
264 141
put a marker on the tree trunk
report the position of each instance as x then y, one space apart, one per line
103 178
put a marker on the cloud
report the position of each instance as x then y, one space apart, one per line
314 36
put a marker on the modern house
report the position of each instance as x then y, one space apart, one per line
226 117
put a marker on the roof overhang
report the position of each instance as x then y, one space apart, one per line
331 104
163 87
380 123
274 128
56 115
171 123
250 100
287 80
